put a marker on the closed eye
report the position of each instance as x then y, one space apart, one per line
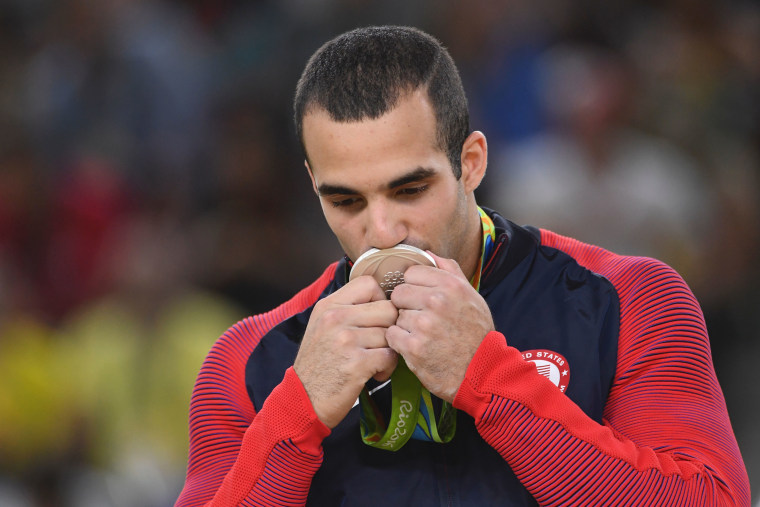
412 191
350 201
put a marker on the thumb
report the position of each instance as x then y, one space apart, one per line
448 265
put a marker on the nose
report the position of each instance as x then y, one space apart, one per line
385 226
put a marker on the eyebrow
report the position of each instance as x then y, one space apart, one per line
415 175
418 174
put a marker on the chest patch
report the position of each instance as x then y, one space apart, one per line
551 365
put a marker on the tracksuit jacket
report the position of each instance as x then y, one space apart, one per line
597 388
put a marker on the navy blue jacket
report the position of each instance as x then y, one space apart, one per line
540 299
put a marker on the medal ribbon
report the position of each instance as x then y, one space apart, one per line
415 413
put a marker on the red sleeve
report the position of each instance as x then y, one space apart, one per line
237 455
666 437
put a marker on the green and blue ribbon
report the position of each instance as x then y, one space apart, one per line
415 413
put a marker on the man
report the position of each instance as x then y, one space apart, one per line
579 377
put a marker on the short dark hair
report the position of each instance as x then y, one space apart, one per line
363 73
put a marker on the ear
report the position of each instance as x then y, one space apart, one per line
474 160
311 176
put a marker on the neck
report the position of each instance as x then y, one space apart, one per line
474 241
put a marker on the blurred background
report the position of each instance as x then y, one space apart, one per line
152 193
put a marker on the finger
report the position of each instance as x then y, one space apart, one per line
372 338
377 292
374 314
397 338
406 318
422 275
411 296
363 289
448 265
430 276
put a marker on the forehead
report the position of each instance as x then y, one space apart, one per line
406 135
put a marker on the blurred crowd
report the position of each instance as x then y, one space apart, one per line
152 192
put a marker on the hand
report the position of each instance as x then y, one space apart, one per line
344 346
442 321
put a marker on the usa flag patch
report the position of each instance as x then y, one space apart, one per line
551 365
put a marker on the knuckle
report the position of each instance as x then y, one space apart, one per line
344 338
425 323
321 305
331 317
436 301
391 335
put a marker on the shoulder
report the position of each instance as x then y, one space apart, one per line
630 275
656 304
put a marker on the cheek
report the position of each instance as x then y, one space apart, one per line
344 232
432 230
454 226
